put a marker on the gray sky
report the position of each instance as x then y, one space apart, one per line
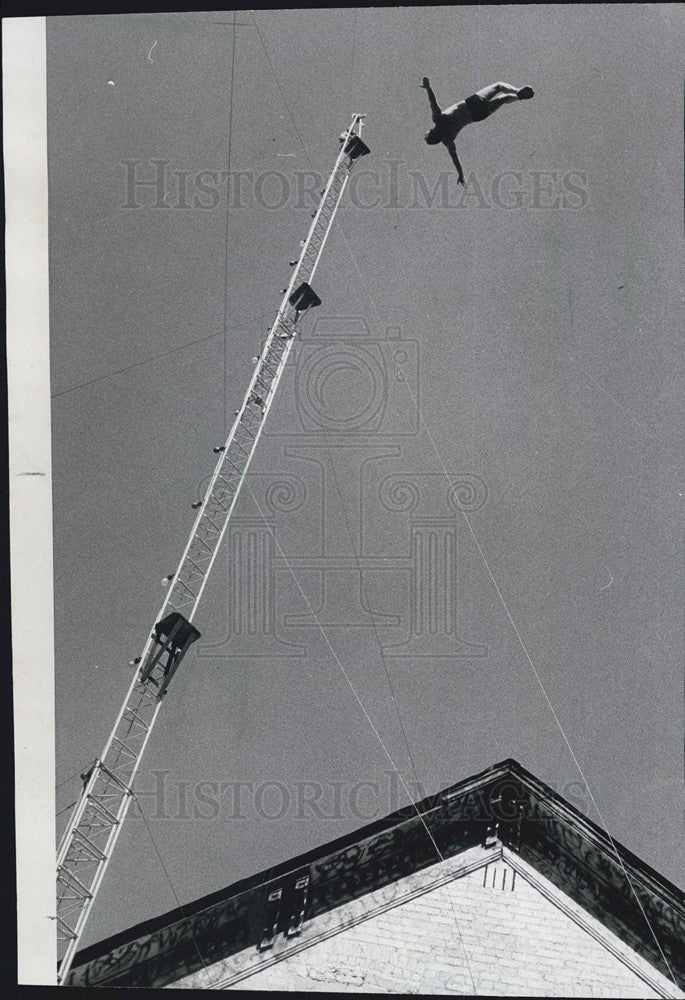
550 366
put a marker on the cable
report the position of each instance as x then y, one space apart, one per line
411 798
506 609
354 44
280 89
527 655
157 357
228 211
373 620
70 778
173 891
542 688
385 750
294 123
525 650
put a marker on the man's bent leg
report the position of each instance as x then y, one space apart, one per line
487 93
500 99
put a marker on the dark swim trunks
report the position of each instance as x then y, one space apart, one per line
478 107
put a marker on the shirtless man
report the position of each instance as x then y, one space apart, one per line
449 123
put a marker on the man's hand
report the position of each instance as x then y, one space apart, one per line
461 181
425 83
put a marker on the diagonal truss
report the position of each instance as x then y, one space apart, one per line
95 824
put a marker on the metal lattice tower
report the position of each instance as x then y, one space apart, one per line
97 819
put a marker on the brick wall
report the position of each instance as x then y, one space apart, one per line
514 941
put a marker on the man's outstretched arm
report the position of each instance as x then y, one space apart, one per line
455 160
435 107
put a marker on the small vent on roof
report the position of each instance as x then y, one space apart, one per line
499 876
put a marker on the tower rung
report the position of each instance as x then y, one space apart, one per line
67 931
99 807
66 876
133 716
85 844
237 468
196 567
199 540
124 749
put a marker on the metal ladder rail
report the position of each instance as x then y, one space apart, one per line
97 819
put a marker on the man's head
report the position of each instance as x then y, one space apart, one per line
432 137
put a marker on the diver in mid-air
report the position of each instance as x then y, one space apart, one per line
449 123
